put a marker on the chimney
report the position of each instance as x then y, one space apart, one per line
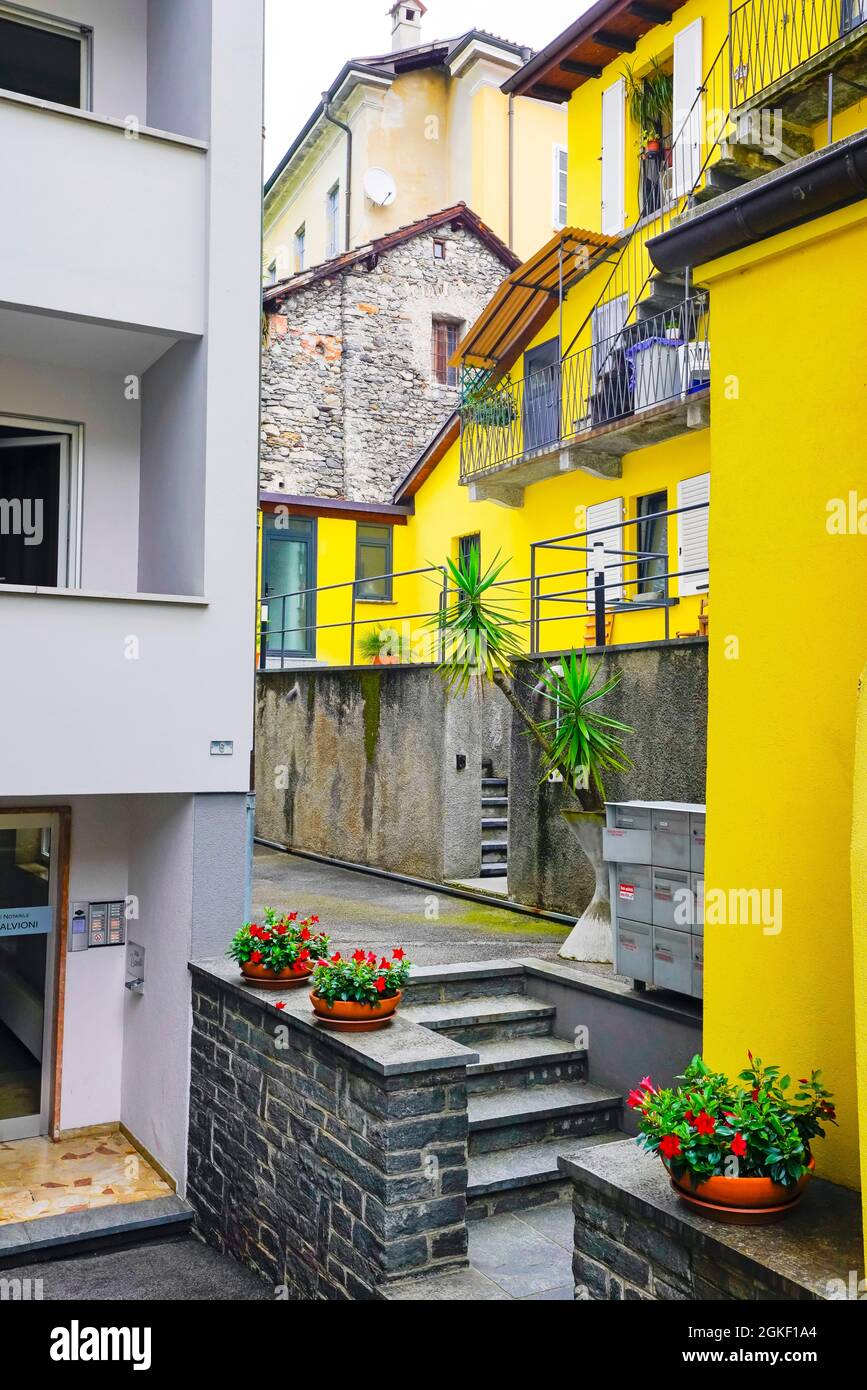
406 24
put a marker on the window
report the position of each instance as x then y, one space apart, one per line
445 336
44 58
439 249
332 221
560 185
467 546
652 531
300 240
40 467
272 273
373 563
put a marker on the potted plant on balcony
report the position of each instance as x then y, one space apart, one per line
649 99
490 407
359 993
577 741
737 1151
374 645
281 952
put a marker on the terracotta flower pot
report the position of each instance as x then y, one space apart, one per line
264 978
741 1201
352 1017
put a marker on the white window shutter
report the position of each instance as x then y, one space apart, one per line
686 125
608 514
614 158
559 186
692 531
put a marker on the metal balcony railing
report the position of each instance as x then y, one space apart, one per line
619 568
650 362
771 39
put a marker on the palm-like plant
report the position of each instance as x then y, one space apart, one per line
481 642
583 742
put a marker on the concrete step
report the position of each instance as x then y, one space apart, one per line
499 870
494 851
748 161
495 784
494 823
510 1119
93 1231
485 1018
664 294
441 984
511 1179
513 1062
495 803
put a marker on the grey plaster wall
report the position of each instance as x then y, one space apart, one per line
361 764
663 696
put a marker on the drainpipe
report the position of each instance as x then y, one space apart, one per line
326 111
511 172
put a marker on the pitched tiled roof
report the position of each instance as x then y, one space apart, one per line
457 216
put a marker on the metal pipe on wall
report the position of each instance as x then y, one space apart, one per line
326 111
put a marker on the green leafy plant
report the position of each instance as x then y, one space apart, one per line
359 978
280 942
649 98
583 742
370 643
489 406
481 642
751 1127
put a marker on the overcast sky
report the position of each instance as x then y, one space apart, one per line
307 45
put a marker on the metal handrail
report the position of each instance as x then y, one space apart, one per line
772 39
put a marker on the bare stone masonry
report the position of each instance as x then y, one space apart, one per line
349 397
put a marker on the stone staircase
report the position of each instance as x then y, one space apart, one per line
495 827
528 1098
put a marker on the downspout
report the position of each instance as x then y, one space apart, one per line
326 111
511 172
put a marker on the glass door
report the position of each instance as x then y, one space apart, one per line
288 576
28 923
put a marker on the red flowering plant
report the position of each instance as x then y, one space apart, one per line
280 942
748 1128
362 978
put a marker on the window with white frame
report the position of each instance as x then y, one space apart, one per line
559 186
300 247
332 221
40 492
44 58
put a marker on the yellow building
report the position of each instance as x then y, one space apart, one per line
700 317
422 127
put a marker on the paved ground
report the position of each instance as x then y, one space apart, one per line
182 1270
361 909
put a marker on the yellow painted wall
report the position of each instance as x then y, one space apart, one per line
859 924
782 709
445 140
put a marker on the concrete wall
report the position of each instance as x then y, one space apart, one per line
663 696
361 764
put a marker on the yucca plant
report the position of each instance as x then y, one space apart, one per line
583 743
479 635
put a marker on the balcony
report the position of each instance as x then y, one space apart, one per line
798 58
644 384
110 222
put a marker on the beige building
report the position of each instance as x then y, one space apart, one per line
406 133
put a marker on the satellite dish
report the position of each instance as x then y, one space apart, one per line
380 187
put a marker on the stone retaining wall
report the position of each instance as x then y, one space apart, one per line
329 1164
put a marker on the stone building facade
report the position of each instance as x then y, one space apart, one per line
349 391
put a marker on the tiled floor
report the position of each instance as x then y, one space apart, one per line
527 1254
39 1178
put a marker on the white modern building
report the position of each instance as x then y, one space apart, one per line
130 245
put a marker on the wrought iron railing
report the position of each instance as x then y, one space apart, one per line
654 361
621 568
771 39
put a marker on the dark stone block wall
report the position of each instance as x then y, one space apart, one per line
320 1174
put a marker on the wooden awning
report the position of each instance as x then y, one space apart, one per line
526 299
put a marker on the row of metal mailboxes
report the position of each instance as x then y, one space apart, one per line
672 898
668 959
641 835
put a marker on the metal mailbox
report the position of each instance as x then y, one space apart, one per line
632 892
672 960
698 966
696 843
626 837
670 839
634 950
673 901
698 898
